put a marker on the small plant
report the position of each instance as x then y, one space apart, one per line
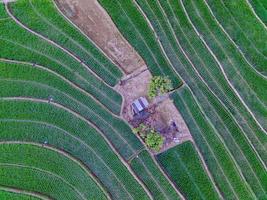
159 85
152 138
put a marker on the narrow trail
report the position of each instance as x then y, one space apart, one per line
24 192
83 166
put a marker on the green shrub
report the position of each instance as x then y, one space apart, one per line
154 140
159 85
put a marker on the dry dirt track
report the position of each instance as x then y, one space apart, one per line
93 20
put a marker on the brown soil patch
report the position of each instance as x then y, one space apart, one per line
93 20
162 111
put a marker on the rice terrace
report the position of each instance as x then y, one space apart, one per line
133 99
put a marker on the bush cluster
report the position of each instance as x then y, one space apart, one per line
151 137
159 85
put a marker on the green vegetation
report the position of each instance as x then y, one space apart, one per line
260 7
245 30
34 168
133 26
14 196
159 85
184 167
42 17
157 184
23 46
221 165
152 138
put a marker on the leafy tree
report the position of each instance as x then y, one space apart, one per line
154 140
159 85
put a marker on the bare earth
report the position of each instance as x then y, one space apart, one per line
93 20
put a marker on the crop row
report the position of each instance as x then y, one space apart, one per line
245 30
42 17
205 69
249 84
229 130
28 81
183 165
157 184
260 7
41 165
217 157
27 120
132 25
23 46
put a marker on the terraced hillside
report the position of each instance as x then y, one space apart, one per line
61 133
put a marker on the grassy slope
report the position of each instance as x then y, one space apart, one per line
184 167
44 162
42 17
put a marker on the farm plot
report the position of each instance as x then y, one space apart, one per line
216 94
34 82
42 17
260 7
35 121
42 82
22 45
183 166
244 29
131 24
220 163
156 182
249 84
42 170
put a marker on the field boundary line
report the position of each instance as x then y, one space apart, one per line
90 124
19 191
207 170
218 85
72 136
64 79
223 73
56 45
69 156
216 96
63 65
228 59
47 22
231 159
253 11
218 99
159 43
87 37
236 47
46 172
222 141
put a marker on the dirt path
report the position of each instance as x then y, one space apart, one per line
93 20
